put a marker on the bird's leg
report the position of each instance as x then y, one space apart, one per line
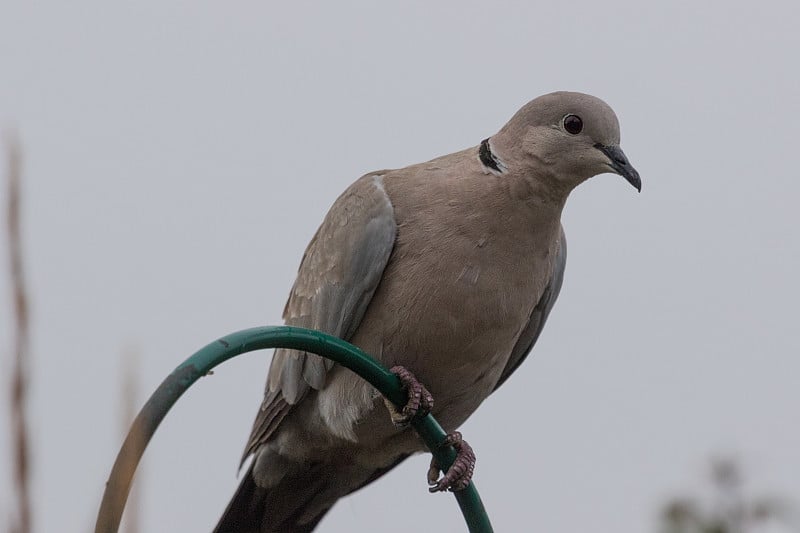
459 475
420 401
419 404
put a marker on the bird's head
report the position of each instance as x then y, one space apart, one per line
564 136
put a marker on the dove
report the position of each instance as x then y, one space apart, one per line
444 271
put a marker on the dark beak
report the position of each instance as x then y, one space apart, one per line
619 163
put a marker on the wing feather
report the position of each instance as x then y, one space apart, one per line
540 313
340 271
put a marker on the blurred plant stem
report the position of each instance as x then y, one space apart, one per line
20 446
128 410
729 511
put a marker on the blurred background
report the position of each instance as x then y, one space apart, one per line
177 157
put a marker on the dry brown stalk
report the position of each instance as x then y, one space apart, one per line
19 376
128 413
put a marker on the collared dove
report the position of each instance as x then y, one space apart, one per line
448 268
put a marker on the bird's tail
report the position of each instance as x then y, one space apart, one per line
297 502
284 508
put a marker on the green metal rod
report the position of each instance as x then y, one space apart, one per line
248 340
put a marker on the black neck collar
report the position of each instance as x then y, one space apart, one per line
487 157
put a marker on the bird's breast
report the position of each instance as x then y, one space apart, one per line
451 307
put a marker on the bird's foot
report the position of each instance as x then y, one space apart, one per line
459 475
420 401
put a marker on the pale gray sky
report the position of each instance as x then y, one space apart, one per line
178 157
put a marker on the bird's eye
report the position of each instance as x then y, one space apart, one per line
573 124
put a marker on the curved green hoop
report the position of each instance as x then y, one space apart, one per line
248 340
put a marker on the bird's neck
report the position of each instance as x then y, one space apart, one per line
529 178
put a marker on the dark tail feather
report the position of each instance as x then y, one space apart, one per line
299 500
245 511
274 510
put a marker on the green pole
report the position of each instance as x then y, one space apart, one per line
248 340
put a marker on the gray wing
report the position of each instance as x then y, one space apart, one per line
539 316
341 268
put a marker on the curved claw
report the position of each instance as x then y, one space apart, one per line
459 475
420 401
